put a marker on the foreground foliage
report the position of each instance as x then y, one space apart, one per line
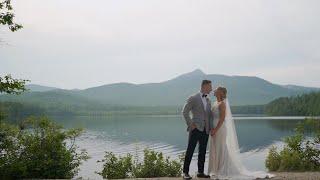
38 148
154 165
10 85
301 151
7 16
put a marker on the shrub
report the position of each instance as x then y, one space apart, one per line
301 151
39 149
116 168
154 164
290 160
273 160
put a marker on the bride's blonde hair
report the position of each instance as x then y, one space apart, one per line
224 91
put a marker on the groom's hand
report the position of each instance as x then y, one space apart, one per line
193 126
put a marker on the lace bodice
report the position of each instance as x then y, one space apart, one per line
216 113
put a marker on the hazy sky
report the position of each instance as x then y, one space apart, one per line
79 44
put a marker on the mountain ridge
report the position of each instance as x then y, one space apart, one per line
197 71
242 90
39 88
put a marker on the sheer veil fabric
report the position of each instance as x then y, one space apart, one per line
224 153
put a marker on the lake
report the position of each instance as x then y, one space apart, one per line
131 134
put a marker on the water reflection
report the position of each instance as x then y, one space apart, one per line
252 133
131 134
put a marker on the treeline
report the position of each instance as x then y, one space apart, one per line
249 109
20 110
14 110
302 105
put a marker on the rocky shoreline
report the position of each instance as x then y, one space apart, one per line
279 176
297 175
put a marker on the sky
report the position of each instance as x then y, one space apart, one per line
80 44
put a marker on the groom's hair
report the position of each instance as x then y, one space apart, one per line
204 82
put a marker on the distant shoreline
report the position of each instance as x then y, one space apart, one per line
236 116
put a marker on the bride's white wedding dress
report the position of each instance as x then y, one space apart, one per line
224 152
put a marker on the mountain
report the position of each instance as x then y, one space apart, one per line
242 90
301 88
39 88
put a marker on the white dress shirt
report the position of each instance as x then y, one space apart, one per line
204 101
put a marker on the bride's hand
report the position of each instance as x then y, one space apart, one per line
213 132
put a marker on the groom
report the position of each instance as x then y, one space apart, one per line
199 127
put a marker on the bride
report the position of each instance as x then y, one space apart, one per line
224 160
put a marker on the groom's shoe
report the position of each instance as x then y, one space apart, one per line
186 176
202 175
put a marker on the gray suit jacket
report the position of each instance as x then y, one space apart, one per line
201 117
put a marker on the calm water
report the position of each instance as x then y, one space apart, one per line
123 134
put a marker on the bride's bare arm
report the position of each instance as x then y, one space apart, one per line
222 110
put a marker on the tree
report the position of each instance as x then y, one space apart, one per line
7 16
39 148
10 85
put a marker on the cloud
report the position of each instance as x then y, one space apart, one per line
151 41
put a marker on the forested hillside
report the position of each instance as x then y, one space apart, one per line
301 105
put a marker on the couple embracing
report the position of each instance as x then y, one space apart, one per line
214 123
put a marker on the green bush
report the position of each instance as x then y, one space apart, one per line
273 160
290 160
300 152
116 168
38 148
154 164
